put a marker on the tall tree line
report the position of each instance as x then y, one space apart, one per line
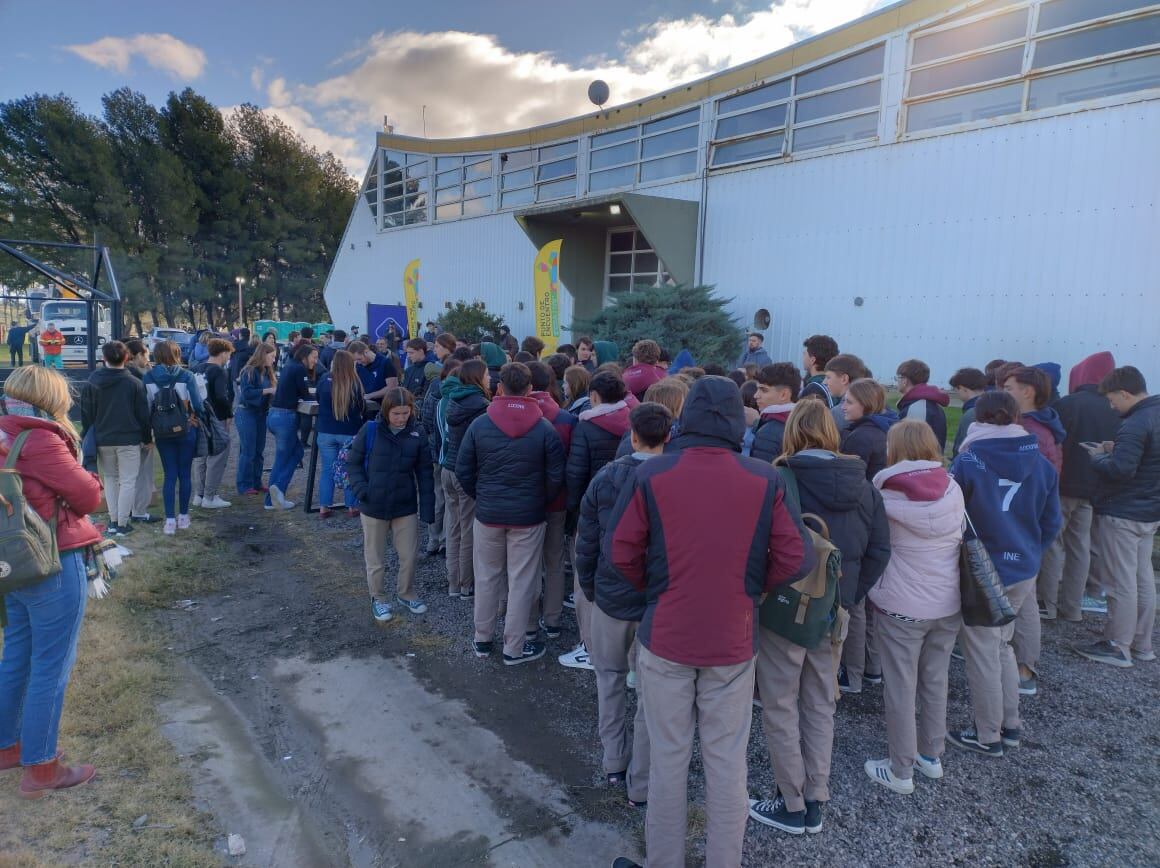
185 199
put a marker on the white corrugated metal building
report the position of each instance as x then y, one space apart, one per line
949 181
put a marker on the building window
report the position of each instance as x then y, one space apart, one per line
538 175
1000 59
405 185
631 262
654 151
464 186
370 189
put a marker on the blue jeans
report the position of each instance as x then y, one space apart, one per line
40 647
177 463
251 425
328 446
283 424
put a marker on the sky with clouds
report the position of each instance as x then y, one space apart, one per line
437 67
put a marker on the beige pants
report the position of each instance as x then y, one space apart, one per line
612 642
554 577
992 673
717 702
1125 571
1028 639
143 496
405 536
437 528
859 653
798 699
517 552
119 466
458 520
208 473
1067 563
916 658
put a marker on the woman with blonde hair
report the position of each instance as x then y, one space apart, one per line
917 603
867 421
256 385
340 415
44 619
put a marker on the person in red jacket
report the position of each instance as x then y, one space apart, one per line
704 532
645 369
44 620
1031 390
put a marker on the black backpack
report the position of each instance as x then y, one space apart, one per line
169 418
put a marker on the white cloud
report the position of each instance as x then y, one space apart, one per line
162 51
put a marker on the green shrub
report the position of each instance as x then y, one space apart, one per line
470 322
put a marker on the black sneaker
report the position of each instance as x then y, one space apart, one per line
482 649
125 529
625 862
872 677
968 739
469 594
813 817
532 651
773 812
1104 652
111 530
1010 737
550 631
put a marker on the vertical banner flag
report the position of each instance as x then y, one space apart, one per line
546 279
411 296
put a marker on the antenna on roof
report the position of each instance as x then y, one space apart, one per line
387 126
598 93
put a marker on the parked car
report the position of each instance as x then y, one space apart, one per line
156 335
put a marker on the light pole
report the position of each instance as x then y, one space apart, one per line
241 282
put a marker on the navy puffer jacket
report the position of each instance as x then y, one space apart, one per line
599 580
1130 474
594 444
464 405
400 465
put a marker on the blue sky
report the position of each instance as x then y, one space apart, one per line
332 70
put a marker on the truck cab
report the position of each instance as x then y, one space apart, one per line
71 317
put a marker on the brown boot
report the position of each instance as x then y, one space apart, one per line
52 775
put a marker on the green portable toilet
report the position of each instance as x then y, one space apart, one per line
264 325
323 328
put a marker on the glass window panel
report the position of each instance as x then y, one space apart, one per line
418 170
447 179
748 149
548 171
751 122
394 159
392 206
972 70
447 212
477 188
640 241
861 65
625 153
615 137
620 263
392 190
620 284
835 132
678 140
564 149
442 163
611 178
1064 12
964 108
672 122
669 167
1095 41
451 194
393 177
418 185
645 262
838 102
417 201
758 96
419 216
475 207
412 159
518 197
475 171
515 160
980 8
1124 76
557 189
620 241
522 178
971 37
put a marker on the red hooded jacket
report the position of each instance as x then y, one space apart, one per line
564 423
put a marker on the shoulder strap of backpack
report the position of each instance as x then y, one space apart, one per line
14 452
791 486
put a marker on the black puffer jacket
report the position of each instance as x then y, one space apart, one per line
512 462
427 416
594 444
767 437
1130 473
399 465
866 438
1086 416
464 406
599 580
836 489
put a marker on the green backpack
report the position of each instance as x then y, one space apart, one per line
28 551
806 611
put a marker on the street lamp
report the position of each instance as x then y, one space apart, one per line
240 281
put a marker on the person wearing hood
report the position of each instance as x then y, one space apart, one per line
917 604
703 532
512 462
115 407
495 358
753 354
1012 500
594 443
1088 418
920 400
1031 390
868 420
1054 375
1127 516
778 386
968 384
841 371
644 370
466 396
606 351
683 360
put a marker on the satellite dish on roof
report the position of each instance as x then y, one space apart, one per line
598 93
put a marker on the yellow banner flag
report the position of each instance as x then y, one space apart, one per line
411 297
546 280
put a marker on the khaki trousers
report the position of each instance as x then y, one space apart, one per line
119 466
680 700
517 552
459 517
612 641
798 699
1125 571
1028 639
143 495
437 529
405 534
916 659
859 653
1067 563
554 577
208 473
992 673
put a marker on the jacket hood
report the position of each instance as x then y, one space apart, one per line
606 351
1054 373
612 418
834 482
515 417
986 431
1091 370
1049 419
926 392
548 405
684 359
915 480
922 496
492 355
454 390
882 420
776 412
1012 457
713 411
104 378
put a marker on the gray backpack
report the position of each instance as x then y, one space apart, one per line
28 550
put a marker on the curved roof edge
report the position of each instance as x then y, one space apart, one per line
833 42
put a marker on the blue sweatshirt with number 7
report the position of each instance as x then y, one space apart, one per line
1012 498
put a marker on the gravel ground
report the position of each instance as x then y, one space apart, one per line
1081 791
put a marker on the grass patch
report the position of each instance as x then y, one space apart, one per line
110 719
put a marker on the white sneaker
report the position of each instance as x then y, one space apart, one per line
170 527
279 499
931 767
577 658
879 771
183 522
214 502
195 500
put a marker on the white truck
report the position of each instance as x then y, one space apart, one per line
71 317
